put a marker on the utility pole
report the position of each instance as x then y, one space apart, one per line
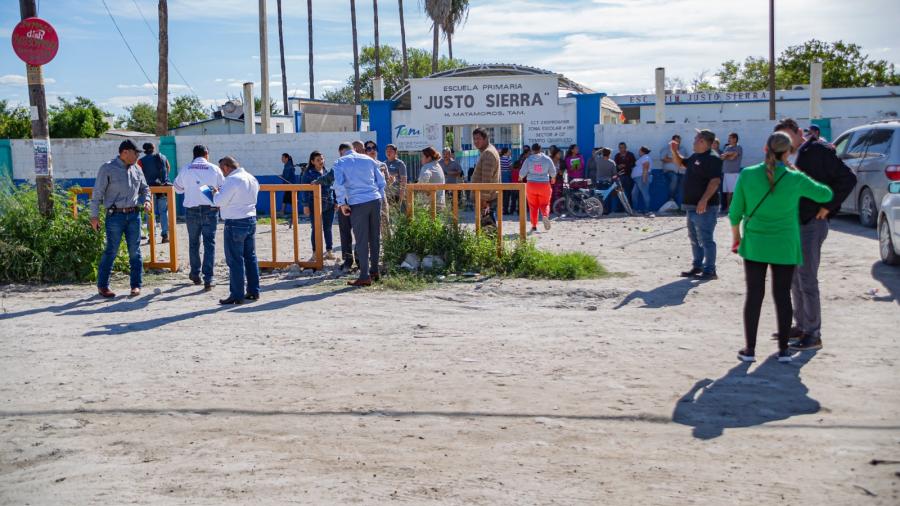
772 60
40 129
284 88
264 111
162 87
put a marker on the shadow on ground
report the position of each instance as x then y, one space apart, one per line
743 398
889 277
670 294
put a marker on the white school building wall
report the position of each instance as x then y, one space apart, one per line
79 159
752 134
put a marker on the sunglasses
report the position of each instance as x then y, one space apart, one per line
370 148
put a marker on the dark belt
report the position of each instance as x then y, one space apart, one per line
208 208
122 210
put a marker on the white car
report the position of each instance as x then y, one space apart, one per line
889 226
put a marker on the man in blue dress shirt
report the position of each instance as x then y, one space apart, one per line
359 188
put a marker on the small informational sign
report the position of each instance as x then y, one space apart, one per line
35 41
42 165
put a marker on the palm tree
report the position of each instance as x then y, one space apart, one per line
459 14
312 89
284 89
355 53
377 49
403 42
162 88
437 10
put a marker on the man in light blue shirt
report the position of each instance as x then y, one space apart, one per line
359 188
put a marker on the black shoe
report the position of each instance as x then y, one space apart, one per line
807 343
745 355
195 279
692 273
164 240
795 333
708 276
207 287
251 296
784 356
230 300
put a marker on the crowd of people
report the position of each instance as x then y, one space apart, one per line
778 209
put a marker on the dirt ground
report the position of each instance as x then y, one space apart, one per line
623 390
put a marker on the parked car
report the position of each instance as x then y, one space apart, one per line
872 152
889 226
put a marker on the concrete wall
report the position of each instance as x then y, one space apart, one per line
752 133
73 159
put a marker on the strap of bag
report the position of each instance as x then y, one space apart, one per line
771 189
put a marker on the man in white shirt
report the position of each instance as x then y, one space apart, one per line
674 173
236 200
196 182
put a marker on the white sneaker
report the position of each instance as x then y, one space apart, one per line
546 223
745 356
784 356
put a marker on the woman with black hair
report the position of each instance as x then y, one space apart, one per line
288 176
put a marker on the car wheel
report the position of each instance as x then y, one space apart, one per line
886 244
868 209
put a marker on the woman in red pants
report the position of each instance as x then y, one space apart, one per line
539 171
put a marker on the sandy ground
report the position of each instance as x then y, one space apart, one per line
623 390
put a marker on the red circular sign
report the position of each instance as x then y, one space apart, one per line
35 41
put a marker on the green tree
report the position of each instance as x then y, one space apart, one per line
418 60
185 109
14 121
273 106
77 119
139 118
844 65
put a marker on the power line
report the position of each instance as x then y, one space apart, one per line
128 46
156 37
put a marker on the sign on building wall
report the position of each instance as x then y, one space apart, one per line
531 101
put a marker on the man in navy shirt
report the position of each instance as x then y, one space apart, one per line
156 171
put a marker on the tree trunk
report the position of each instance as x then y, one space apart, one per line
284 89
355 53
450 45
377 46
434 49
309 29
403 43
162 87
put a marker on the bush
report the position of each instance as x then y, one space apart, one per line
37 249
465 251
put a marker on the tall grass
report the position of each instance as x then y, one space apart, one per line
465 251
38 249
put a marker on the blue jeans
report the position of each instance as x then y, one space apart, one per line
240 255
327 224
161 208
701 230
116 225
643 189
202 221
674 179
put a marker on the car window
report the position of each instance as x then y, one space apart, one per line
879 142
856 148
841 144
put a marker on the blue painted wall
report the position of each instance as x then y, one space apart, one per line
380 122
587 113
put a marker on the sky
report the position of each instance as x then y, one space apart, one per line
610 46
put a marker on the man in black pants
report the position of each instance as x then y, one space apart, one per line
819 161
359 186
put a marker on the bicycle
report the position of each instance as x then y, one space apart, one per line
581 198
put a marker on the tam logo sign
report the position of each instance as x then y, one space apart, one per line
405 131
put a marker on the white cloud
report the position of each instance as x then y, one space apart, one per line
121 102
149 86
20 80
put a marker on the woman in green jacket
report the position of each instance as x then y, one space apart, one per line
766 199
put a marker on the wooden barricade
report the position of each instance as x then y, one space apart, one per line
476 189
152 263
318 260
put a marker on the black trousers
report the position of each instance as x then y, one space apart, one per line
346 232
510 202
366 221
782 276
